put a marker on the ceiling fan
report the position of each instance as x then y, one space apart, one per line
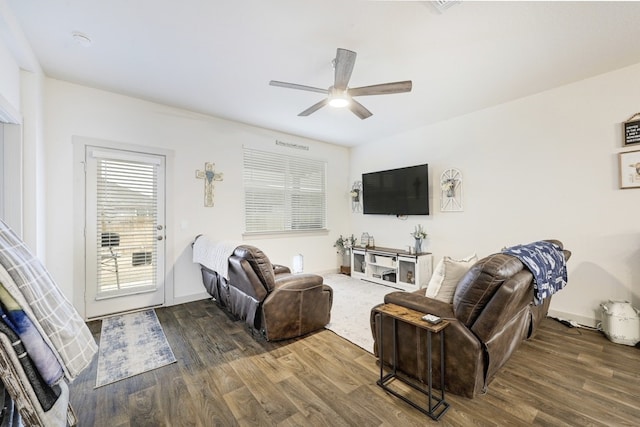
340 95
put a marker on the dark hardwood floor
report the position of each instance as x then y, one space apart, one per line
225 377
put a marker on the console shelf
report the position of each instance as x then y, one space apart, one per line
390 266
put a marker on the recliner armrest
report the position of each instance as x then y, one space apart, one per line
421 303
280 269
297 281
298 304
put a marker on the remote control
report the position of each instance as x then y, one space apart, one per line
430 318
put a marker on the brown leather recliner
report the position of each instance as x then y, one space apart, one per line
270 299
492 312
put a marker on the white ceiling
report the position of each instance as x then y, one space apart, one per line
217 57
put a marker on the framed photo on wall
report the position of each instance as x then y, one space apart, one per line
631 131
630 169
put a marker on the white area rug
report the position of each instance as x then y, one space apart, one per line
353 300
131 344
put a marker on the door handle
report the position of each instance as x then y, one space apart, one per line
159 237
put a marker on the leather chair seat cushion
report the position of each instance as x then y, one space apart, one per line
480 283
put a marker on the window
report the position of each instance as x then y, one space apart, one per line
283 193
126 200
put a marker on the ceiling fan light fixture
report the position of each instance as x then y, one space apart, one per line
339 102
338 98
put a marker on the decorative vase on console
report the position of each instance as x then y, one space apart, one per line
418 245
418 234
346 257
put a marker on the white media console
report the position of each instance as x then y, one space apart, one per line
391 266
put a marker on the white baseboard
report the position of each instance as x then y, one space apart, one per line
325 272
581 320
190 298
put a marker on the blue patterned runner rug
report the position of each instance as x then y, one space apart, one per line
131 344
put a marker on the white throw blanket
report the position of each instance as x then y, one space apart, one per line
214 255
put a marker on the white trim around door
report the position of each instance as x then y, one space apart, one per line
111 275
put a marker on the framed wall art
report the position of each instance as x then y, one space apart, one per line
630 169
451 190
631 130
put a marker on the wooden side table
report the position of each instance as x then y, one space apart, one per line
437 406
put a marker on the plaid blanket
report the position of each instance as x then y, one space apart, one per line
34 290
546 262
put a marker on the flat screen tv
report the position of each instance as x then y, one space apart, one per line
403 191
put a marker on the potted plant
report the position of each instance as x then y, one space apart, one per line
343 246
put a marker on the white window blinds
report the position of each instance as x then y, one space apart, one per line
283 193
126 223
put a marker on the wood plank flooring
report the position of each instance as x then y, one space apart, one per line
226 377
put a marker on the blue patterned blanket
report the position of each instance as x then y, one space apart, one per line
40 353
546 262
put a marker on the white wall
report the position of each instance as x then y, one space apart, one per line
21 95
10 80
11 148
34 170
73 110
545 166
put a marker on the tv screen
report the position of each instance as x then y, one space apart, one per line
403 191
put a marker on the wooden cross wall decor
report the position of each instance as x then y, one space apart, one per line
209 175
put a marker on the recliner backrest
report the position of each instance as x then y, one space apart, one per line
260 264
479 284
508 303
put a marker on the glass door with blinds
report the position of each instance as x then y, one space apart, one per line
124 231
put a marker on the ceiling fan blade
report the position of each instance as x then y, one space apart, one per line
300 87
315 107
382 89
344 62
359 109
